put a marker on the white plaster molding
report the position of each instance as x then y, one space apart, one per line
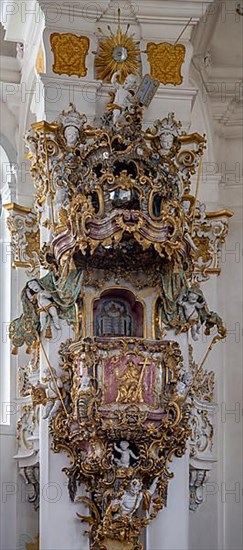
231 196
174 10
209 185
10 96
8 148
8 191
225 74
203 32
221 85
152 11
84 94
9 69
198 477
20 19
56 14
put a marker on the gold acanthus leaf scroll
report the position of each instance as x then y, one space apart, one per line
70 53
165 62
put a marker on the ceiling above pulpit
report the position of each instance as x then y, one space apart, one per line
217 43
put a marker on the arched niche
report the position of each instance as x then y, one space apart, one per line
118 313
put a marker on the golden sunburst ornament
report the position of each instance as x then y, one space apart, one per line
117 52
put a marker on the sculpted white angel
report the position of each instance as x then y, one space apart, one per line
132 497
124 93
192 305
125 454
47 308
53 392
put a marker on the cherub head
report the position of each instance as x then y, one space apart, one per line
187 378
166 140
71 134
48 374
130 82
135 486
192 297
85 382
34 286
124 445
72 122
195 295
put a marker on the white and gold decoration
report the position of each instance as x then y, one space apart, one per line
122 401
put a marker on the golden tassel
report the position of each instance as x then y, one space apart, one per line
48 333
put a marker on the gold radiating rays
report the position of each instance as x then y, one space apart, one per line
117 52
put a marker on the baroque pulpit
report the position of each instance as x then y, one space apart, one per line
117 304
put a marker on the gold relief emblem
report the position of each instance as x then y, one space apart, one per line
69 52
166 61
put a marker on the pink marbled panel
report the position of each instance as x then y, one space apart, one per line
113 368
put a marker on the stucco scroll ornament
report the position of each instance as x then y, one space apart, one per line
25 234
203 412
30 475
209 231
25 243
27 450
203 380
70 53
197 480
165 62
239 9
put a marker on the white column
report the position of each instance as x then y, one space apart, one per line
59 529
169 531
